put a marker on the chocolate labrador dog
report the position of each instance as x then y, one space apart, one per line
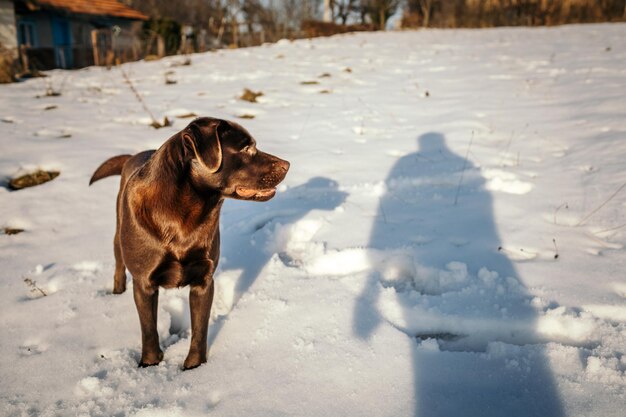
168 210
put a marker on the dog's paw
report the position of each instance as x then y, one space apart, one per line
143 364
188 368
150 360
193 361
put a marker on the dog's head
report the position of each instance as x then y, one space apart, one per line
223 157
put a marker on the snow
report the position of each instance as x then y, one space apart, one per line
407 266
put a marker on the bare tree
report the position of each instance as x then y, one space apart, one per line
292 12
426 6
485 13
344 8
328 11
192 12
379 11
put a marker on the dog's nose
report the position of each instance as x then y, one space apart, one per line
282 165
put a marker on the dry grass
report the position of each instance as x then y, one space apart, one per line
250 96
32 179
186 115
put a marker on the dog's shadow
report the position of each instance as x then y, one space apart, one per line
247 230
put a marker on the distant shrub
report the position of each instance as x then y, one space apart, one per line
315 28
488 13
168 29
8 66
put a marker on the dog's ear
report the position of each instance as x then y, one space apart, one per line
202 141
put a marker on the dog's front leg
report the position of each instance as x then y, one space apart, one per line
200 300
147 301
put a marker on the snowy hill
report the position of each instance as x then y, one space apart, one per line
449 240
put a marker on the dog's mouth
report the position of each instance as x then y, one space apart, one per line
255 194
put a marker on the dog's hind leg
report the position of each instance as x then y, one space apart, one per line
119 279
147 301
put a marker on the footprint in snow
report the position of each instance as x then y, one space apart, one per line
273 229
33 347
507 182
174 317
46 280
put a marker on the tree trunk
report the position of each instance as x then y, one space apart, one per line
425 5
328 13
235 29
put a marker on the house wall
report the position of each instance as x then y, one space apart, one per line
8 43
8 39
43 29
41 55
126 45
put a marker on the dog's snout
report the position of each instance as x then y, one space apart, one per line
282 165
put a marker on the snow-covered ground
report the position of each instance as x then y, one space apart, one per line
407 267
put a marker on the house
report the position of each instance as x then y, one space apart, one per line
76 33
8 42
8 39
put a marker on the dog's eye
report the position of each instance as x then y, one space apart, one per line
250 150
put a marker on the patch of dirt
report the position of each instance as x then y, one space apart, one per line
249 95
32 179
166 122
184 62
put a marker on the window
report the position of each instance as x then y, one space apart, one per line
26 33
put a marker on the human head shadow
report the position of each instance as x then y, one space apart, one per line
438 211
249 254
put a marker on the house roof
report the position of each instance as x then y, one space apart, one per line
93 7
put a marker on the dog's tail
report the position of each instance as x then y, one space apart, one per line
112 166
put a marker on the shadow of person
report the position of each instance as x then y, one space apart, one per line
245 239
435 244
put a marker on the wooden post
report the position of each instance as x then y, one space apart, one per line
24 58
160 46
235 29
94 46
220 32
328 12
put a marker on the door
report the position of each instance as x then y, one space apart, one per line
62 38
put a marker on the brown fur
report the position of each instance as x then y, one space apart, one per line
168 209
